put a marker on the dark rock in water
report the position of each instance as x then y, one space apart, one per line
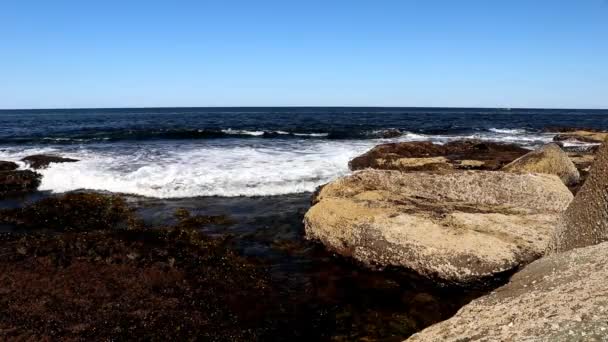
72 212
41 161
582 136
113 285
8 166
585 222
390 133
18 181
426 156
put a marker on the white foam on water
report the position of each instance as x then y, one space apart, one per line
187 171
507 130
259 167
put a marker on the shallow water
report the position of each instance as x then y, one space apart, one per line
346 300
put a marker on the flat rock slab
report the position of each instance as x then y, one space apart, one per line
562 297
426 156
582 136
456 228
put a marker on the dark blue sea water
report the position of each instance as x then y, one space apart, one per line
186 152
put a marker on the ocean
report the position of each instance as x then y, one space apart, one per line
190 152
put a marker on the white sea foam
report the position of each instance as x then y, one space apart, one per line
257 167
177 171
242 132
507 130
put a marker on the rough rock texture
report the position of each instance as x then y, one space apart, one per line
426 156
461 228
582 136
8 166
18 181
585 222
548 159
562 297
41 161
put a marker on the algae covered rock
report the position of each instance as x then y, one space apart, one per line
582 136
427 156
18 181
549 159
459 228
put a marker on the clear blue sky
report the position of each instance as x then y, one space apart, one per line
488 53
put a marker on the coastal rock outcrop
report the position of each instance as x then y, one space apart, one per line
562 297
548 159
585 222
41 161
18 181
426 156
455 228
583 136
8 166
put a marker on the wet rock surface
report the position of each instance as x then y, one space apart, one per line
85 266
549 159
583 136
562 297
8 166
42 161
19 181
426 156
460 228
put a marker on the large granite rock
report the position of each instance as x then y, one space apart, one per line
42 161
585 222
582 136
459 227
426 156
562 297
549 159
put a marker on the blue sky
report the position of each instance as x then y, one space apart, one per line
462 53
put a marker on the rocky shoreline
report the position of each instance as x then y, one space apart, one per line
445 224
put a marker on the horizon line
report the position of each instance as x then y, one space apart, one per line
305 106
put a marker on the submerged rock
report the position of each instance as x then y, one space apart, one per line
18 181
8 166
72 212
584 136
549 159
562 297
459 228
41 161
426 156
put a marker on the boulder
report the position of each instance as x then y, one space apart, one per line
548 159
582 136
8 166
18 181
426 156
562 297
455 228
42 161
585 222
